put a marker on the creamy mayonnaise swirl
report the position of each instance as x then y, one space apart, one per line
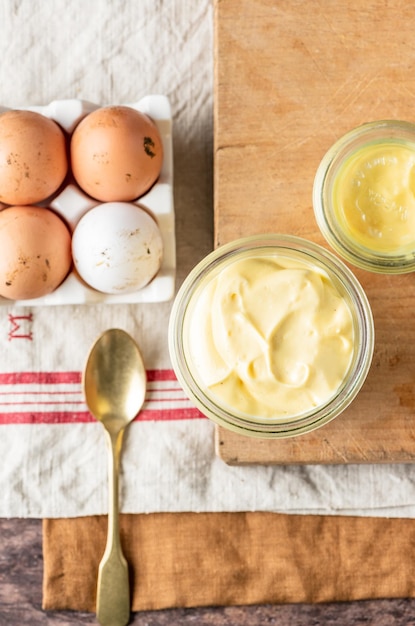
271 336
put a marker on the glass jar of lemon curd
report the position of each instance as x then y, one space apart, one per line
271 336
364 196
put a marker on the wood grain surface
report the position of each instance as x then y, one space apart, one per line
21 571
290 78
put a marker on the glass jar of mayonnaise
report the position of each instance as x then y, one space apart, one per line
271 336
364 196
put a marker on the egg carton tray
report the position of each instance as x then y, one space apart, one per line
71 204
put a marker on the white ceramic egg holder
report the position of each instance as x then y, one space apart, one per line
72 203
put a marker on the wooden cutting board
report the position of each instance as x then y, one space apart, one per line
290 78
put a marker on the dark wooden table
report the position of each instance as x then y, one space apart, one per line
21 571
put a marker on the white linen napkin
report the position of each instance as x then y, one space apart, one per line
53 453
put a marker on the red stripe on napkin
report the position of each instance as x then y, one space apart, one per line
42 378
57 398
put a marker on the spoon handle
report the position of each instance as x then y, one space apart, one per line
113 589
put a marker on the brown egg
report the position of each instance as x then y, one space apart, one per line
35 252
116 154
33 157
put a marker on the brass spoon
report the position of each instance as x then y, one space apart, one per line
114 384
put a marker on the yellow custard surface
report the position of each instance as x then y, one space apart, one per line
270 336
374 196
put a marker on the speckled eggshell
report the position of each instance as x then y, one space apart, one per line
116 154
117 248
35 252
33 157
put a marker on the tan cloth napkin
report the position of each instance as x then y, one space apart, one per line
202 559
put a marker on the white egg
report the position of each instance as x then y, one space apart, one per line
117 248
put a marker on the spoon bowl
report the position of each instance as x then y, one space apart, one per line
114 383
114 379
